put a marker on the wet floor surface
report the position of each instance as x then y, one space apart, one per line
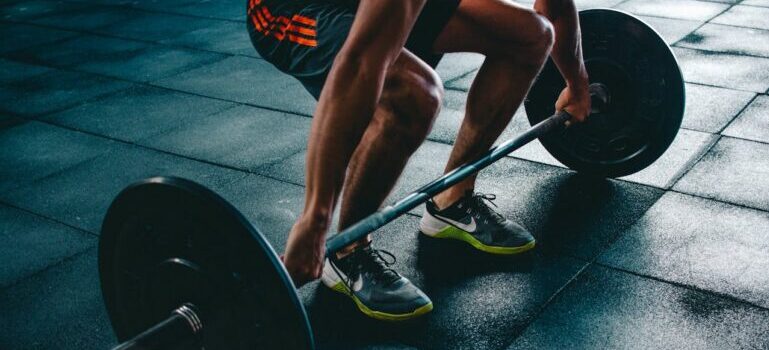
97 94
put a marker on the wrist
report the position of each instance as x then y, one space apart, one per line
579 81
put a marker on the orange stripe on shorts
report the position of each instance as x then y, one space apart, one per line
302 41
299 29
304 20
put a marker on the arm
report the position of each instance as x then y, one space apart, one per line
567 54
345 108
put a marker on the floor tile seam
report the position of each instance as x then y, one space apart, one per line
541 310
663 17
157 11
146 147
621 232
44 217
135 83
766 143
710 21
213 60
279 179
73 67
673 18
731 25
704 23
460 77
691 163
40 272
78 103
7 203
180 126
722 87
83 32
53 264
54 42
80 32
738 114
705 153
264 167
245 172
718 52
11 121
454 89
718 200
642 276
155 85
691 287
47 16
737 26
5 200
62 170
620 3
26 22
248 104
749 5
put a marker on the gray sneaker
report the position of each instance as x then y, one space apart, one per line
378 291
471 220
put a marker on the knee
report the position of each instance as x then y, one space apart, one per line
414 99
531 46
542 35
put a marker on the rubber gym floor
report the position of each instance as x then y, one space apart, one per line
98 94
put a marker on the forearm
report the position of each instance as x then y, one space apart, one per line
342 115
567 49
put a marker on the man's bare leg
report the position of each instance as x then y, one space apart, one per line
410 101
403 117
515 50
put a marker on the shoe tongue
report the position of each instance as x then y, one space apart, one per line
478 201
374 263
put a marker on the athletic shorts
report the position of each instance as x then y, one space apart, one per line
302 37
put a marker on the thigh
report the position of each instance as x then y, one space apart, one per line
488 27
303 37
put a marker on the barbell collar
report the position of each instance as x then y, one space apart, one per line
180 331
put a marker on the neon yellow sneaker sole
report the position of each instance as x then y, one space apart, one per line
384 316
451 232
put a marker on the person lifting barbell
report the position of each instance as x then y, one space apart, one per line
370 64
181 268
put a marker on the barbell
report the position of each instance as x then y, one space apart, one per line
181 268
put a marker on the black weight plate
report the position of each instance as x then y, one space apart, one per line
169 241
646 98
